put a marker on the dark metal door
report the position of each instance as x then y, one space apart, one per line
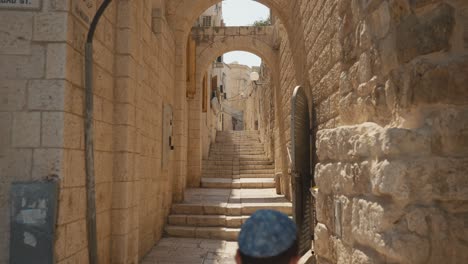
300 141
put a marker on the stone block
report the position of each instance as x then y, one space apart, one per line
104 166
47 162
52 129
103 136
51 26
16 33
323 244
343 178
389 178
370 140
72 205
119 247
423 79
399 142
60 5
76 239
75 67
125 66
60 240
380 20
449 132
56 60
122 196
360 257
15 165
5 131
103 199
103 56
46 95
104 225
26 129
426 34
13 94
121 222
73 131
77 33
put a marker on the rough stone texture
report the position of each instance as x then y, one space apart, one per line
386 78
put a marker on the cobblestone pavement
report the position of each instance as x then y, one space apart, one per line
193 251
198 251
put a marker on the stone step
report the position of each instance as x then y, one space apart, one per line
226 168
217 175
255 167
229 209
244 162
234 155
222 233
240 157
261 176
247 183
236 176
207 220
247 145
217 162
235 151
237 143
257 171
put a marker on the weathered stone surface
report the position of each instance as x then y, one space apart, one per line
323 241
46 95
50 26
426 34
373 226
26 127
343 178
16 33
13 94
349 143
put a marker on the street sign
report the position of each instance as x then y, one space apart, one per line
20 4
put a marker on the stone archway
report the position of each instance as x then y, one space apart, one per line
181 15
211 43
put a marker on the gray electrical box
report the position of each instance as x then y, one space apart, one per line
33 219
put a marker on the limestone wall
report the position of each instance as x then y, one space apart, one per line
42 81
388 85
388 82
35 102
260 110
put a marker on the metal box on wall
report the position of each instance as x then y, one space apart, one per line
33 220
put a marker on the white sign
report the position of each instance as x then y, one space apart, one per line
20 4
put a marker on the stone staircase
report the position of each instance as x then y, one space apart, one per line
237 180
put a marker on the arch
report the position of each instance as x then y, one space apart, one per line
207 54
182 13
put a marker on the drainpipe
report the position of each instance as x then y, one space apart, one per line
89 138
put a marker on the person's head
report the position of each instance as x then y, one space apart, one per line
268 237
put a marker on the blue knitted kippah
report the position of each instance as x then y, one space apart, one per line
267 233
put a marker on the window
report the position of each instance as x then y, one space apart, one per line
206 22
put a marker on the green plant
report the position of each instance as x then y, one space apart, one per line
262 22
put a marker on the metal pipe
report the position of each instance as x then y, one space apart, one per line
89 138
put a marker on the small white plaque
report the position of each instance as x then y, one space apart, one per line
20 4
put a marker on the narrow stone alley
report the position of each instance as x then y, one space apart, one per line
238 179
149 131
